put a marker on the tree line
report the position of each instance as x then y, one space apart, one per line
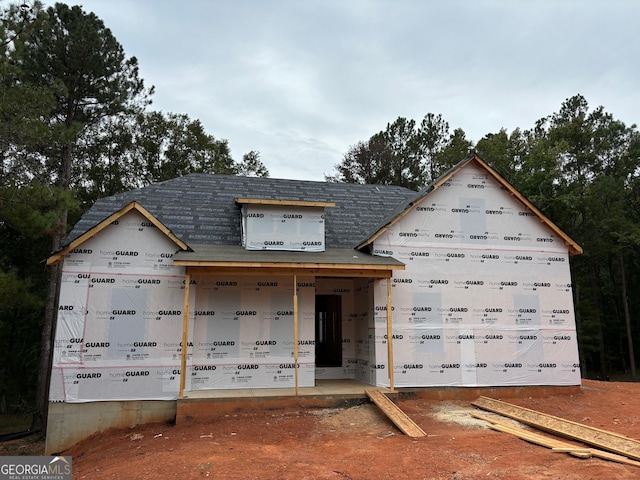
77 124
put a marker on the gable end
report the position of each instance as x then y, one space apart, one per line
59 255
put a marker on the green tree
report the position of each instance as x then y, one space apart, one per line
23 106
27 218
431 139
169 146
405 154
504 152
456 149
595 163
252 166
20 312
527 161
71 53
130 152
403 163
364 162
104 164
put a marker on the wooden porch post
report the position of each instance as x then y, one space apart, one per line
185 335
295 328
389 335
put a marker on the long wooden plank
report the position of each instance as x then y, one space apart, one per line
613 457
531 437
555 445
185 335
603 439
502 426
506 427
395 414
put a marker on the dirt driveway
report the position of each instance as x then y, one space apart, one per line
360 443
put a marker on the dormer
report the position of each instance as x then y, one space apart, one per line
290 225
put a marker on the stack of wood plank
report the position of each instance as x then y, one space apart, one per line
609 445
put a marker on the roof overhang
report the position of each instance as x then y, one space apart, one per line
59 255
232 259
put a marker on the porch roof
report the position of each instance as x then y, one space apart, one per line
332 262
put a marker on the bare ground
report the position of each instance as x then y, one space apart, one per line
360 443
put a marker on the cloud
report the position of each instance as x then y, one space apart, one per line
302 81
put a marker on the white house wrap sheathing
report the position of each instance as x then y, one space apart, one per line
269 227
243 333
486 297
119 317
120 323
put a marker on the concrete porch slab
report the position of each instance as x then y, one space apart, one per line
322 387
207 404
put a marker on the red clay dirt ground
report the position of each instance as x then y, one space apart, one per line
361 443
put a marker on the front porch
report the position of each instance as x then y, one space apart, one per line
209 404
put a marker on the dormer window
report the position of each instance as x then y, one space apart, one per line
283 224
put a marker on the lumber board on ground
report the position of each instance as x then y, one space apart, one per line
502 426
555 445
609 441
540 440
613 457
395 414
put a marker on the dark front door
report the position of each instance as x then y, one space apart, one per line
328 331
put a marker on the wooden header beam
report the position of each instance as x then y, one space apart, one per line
316 272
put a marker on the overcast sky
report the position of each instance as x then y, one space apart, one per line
303 80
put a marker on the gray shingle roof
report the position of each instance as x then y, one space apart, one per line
201 208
